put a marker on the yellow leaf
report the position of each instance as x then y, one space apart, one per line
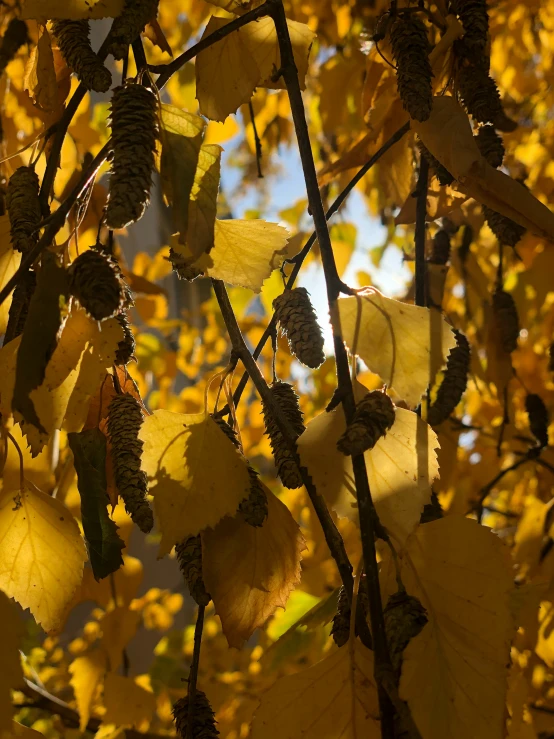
40 78
42 554
404 344
127 704
217 133
118 628
9 262
182 135
447 134
11 674
245 252
71 9
400 468
454 674
86 675
198 475
226 75
228 72
337 697
249 572
127 581
38 470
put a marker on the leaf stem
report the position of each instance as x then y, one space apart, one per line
257 141
368 516
21 465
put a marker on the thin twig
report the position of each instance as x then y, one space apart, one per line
168 70
193 675
366 509
257 140
420 229
45 701
486 489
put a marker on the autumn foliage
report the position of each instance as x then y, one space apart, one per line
222 511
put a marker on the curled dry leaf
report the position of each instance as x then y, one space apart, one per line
249 572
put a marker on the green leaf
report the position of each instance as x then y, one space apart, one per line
103 542
40 336
182 135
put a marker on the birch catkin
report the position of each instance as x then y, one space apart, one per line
23 208
95 280
130 24
74 43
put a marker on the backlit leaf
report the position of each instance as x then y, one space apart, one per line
454 674
127 703
249 572
86 676
337 697
197 475
401 468
245 253
404 344
42 554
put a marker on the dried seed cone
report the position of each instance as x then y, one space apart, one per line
507 319
298 321
126 347
440 251
490 145
508 232
23 208
20 306
95 280
135 130
404 617
479 92
124 422
74 42
203 722
441 173
15 37
373 417
189 556
538 418
130 24
288 400
253 509
454 382
410 48
475 20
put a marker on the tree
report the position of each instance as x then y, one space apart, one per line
364 535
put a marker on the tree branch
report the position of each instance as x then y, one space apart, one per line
193 675
366 509
421 217
45 701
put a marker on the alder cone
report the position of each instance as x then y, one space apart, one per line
135 130
298 321
507 319
475 20
538 418
129 25
508 232
74 43
340 630
440 250
404 618
15 37
253 508
95 280
23 208
189 556
454 382
373 417
203 722
19 308
124 422
441 173
490 145
287 399
479 91
184 267
410 49
126 347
